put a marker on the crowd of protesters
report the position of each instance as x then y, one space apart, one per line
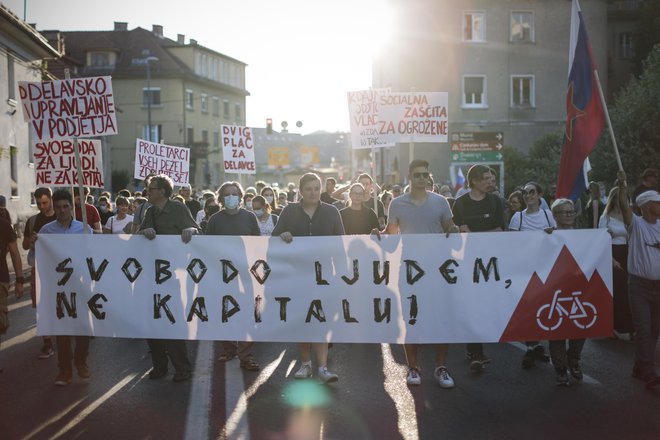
362 206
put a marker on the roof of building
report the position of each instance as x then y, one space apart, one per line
25 35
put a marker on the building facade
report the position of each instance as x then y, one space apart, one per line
503 62
24 54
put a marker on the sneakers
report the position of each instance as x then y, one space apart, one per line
46 351
478 361
540 354
304 372
561 377
63 378
326 376
83 371
576 370
413 377
444 378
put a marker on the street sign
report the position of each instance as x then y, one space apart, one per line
477 141
476 156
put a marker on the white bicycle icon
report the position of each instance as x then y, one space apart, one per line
550 316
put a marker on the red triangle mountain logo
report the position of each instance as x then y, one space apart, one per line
566 306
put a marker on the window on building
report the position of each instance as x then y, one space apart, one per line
204 103
225 108
522 26
100 60
474 91
216 106
238 112
626 45
522 91
205 136
216 139
11 78
474 26
13 170
190 103
156 133
190 134
151 96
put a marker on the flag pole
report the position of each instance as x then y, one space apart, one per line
609 123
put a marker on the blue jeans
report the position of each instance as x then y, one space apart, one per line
645 308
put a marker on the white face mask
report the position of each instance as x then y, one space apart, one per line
259 212
232 202
269 199
248 204
103 208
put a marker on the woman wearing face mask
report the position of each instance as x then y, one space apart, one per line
247 201
115 224
270 195
234 220
105 209
265 218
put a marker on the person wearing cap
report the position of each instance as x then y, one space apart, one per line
643 277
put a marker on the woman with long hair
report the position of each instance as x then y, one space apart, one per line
270 195
116 223
612 220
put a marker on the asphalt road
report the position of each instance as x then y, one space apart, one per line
370 401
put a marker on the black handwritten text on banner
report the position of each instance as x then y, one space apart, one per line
411 288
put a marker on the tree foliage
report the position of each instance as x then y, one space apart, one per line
541 164
635 120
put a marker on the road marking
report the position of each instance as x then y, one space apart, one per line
199 404
19 339
400 394
586 379
18 305
236 426
56 418
94 405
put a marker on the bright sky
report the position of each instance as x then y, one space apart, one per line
302 55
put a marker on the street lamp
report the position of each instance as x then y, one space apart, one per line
150 95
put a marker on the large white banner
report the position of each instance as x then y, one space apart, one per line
483 287
69 108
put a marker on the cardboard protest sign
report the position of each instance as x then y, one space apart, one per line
67 109
55 163
413 117
417 288
238 149
153 158
363 114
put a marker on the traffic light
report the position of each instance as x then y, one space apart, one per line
269 126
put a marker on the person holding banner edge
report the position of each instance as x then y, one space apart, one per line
308 217
417 212
66 224
167 217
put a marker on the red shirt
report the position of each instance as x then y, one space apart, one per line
92 214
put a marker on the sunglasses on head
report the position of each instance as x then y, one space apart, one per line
421 175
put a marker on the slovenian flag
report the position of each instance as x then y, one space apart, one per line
584 111
460 180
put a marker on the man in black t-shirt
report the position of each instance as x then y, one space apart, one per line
478 211
44 198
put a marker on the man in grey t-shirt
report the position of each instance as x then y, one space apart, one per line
422 212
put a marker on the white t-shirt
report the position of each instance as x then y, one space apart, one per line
116 226
643 251
536 221
266 227
200 216
615 227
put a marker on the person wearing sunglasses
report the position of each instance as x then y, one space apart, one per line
421 212
533 218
